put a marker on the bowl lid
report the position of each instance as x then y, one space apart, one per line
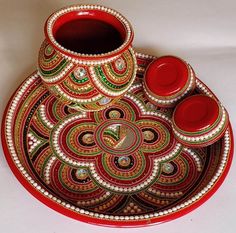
166 76
196 113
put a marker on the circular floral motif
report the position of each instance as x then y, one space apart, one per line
120 146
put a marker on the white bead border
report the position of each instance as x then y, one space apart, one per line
58 77
8 122
66 10
144 56
203 88
195 156
133 87
75 100
42 114
33 142
84 62
48 168
105 90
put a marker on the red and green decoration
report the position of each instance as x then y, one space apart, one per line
86 87
121 166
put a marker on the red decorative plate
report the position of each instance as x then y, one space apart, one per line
121 166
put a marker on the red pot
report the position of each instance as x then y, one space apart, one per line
87 58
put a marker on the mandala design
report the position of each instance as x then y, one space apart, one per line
120 146
121 163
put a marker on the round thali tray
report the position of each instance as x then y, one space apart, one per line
121 166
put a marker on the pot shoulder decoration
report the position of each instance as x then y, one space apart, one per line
87 58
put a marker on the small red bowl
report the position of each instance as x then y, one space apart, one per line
167 80
199 120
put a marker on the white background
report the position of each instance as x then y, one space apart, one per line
201 31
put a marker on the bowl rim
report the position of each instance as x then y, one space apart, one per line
48 31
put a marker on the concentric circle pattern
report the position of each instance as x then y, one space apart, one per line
121 163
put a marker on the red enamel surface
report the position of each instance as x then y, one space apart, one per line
86 22
94 15
196 113
166 76
88 33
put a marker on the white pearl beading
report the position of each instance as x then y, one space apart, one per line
58 77
142 107
48 168
203 88
176 150
134 87
206 136
9 137
89 63
105 90
144 56
176 99
43 116
135 188
141 69
33 142
76 100
61 12
195 156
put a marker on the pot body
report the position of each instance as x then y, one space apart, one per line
87 82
